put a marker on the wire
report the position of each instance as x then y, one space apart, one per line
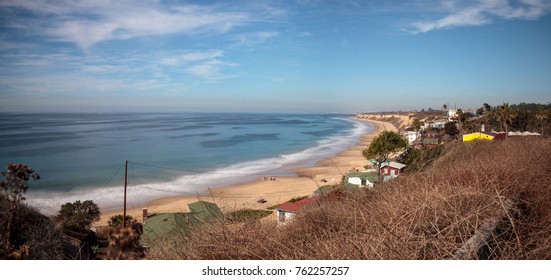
203 171
116 172
167 168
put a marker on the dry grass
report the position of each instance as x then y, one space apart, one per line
427 215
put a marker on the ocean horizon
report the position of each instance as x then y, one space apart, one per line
81 156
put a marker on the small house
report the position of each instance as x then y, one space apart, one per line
392 169
362 179
431 139
287 210
204 211
411 136
165 224
477 136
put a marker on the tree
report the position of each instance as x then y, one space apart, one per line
487 108
542 116
416 124
382 146
16 183
451 129
116 221
505 114
78 216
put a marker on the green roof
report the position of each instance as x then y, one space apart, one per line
370 176
324 189
430 141
204 211
164 224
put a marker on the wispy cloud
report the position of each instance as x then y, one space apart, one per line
203 64
252 38
477 13
188 57
211 70
87 23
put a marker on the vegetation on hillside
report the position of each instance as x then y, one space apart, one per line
451 195
425 215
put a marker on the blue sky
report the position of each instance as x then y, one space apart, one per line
272 56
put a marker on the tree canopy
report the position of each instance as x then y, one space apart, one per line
78 215
505 114
116 220
382 146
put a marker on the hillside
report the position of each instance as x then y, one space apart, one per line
498 188
399 119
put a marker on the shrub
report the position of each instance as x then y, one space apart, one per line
78 216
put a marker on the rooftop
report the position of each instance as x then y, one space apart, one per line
294 206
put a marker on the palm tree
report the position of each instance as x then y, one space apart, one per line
505 114
445 109
542 116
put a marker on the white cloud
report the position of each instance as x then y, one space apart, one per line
188 57
210 70
253 38
469 13
87 23
203 64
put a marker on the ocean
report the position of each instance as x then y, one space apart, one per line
81 156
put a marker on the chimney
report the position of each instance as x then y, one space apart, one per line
144 213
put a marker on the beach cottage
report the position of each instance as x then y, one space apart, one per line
477 136
392 169
362 179
287 210
205 211
166 224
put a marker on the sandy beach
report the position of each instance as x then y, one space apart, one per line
246 195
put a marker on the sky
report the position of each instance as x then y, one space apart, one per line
307 56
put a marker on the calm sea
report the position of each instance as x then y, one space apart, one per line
81 156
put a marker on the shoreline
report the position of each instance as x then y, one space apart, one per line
245 195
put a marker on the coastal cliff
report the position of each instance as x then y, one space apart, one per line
399 119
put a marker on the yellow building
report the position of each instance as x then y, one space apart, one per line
476 136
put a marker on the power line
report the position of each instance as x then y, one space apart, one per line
116 172
166 168
204 171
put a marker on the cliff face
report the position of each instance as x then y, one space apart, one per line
400 120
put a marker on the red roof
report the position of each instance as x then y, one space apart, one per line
294 206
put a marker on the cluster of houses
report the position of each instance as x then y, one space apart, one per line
352 181
426 137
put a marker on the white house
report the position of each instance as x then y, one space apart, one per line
362 179
287 210
411 136
439 124
452 113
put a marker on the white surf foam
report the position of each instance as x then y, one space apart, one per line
199 183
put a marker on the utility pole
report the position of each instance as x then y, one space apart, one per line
125 183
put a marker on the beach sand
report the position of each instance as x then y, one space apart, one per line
246 195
